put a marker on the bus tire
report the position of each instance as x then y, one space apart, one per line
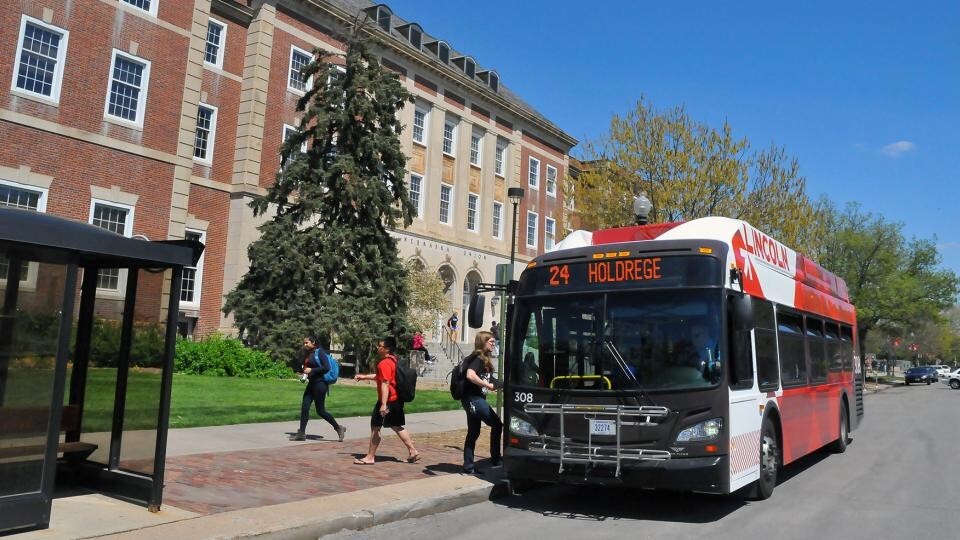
770 462
839 446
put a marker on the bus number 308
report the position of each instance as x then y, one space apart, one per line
523 397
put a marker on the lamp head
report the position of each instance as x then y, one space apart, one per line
641 208
515 194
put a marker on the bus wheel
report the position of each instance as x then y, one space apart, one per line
769 462
839 446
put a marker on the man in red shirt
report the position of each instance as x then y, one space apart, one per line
388 412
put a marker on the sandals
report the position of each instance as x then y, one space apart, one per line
359 461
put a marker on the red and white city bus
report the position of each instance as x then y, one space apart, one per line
697 356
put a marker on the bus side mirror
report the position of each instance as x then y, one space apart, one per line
475 313
741 311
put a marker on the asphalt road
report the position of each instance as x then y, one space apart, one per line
899 479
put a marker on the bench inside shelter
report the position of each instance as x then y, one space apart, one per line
18 426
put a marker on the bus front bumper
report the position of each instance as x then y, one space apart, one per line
701 474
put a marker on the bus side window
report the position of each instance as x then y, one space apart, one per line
741 358
765 342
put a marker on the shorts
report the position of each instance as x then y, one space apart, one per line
393 419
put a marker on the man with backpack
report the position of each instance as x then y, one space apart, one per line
388 412
319 370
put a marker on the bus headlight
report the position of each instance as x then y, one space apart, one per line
704 431
518 426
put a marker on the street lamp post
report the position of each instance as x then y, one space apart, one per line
515 194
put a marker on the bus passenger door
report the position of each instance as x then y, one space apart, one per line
745 415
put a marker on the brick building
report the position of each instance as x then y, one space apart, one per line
163 118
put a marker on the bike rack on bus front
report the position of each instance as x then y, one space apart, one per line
569 451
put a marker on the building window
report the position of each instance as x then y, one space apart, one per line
446 195
115 218
144 5
127 99
383 18
476 145
549 233
299 59
206 129
497 219
469 68
498 162
420 126
14 195
416 37
534 171
192 275
532 229
416 193
443 52
473 203
551 180
216 38
41 52
449 137
495 82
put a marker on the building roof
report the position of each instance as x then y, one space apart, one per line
359 6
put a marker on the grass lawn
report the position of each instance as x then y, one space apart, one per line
205 401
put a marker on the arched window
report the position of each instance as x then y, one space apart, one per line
443 52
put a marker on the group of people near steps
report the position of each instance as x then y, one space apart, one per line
388 410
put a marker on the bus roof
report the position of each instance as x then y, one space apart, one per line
769 269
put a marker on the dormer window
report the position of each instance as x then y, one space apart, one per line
414 34
382 15
443 52
490 78
439 48
467 64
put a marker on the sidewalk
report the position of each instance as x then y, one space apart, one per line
248 480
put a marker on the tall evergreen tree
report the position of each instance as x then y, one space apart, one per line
326 262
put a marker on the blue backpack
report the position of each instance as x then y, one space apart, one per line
330 377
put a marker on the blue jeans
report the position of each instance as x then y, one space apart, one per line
315 393
478 410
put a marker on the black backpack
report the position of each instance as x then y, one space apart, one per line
458 379
406 382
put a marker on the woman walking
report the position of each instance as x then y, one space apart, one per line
315 366
479 374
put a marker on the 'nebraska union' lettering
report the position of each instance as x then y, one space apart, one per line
624 270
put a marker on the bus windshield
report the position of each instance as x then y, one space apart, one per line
665 339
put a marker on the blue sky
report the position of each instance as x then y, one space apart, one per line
866 95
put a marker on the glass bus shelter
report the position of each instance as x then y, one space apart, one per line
87 334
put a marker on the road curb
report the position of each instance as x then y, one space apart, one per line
314 518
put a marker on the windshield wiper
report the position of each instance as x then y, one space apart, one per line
622 364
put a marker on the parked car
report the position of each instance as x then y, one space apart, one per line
942 371
924 374
952 379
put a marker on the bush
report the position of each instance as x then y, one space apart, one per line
146 350
226 357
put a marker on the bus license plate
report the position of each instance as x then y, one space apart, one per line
603 427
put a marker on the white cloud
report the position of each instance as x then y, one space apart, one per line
898 148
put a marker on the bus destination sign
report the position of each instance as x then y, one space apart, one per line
670 271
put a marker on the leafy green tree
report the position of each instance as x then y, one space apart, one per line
325 261
428 301
896 284
690 170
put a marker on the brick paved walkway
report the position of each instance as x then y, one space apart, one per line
219 482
